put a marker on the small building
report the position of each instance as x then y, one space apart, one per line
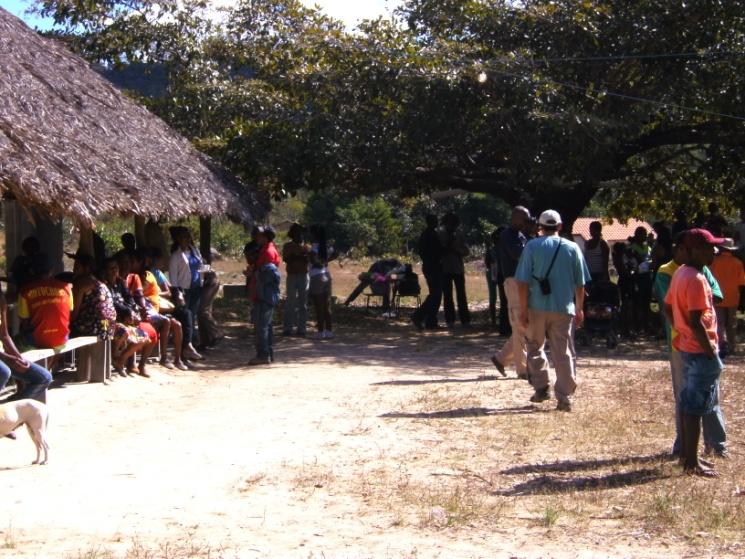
613 231
73 146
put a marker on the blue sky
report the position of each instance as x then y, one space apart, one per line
349 11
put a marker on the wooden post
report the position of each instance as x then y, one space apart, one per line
140 231
85 246
205 238
19 225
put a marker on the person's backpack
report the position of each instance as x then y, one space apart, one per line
408 285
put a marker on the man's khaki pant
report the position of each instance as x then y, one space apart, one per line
558 328
513 351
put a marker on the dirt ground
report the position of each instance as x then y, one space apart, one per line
381 443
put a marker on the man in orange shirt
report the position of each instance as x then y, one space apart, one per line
44 305
689 305
730 274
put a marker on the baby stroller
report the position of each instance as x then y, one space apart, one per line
602 311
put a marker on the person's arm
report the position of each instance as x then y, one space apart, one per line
78 292
699 331
605 252
579 303
661 286
667 310
523 291
10 353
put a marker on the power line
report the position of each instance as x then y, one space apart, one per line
660 56
635 98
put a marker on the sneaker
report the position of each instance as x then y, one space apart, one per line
167 364
181 365
191 354
328 335
12 436
259 361
498 365
540 396
564 406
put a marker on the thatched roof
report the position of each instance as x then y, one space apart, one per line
72 145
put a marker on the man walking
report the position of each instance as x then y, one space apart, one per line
690 304
430 251
511 243
552 275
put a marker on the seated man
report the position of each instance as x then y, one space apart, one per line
32 378
44 307
378 278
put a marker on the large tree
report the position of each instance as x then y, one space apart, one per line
547 103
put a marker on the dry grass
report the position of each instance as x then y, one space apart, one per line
185 548
477 453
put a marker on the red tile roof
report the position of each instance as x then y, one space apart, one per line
612 232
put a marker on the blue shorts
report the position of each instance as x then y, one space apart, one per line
700 383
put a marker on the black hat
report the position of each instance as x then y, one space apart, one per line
268 231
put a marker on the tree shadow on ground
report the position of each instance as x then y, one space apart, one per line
482 378
548 485
463 412
572 465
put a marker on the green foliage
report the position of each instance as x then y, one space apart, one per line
368 223
520 100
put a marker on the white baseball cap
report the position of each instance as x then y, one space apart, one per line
550 218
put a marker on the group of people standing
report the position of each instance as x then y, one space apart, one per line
308 277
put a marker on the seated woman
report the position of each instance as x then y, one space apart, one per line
155 292
94 315
130 329
33 379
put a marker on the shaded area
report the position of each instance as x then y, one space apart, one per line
572 465
440 381
547 485
463 412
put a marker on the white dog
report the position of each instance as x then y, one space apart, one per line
34 415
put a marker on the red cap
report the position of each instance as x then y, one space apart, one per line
698 237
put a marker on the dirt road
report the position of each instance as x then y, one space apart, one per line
381 443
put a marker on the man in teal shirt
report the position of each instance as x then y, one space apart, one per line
552 275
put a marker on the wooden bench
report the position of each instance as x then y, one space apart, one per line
93 357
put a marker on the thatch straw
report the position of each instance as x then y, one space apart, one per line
71 145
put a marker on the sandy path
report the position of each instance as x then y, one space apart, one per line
283 461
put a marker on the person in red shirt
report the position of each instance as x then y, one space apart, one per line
689 305
44 305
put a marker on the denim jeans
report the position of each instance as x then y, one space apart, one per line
35 381
715 434
263 324
192 298
296 304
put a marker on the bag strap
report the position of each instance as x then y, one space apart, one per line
551 265
556 253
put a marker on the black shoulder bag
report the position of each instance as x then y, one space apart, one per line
544 282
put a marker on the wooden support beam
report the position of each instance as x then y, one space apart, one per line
205 238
